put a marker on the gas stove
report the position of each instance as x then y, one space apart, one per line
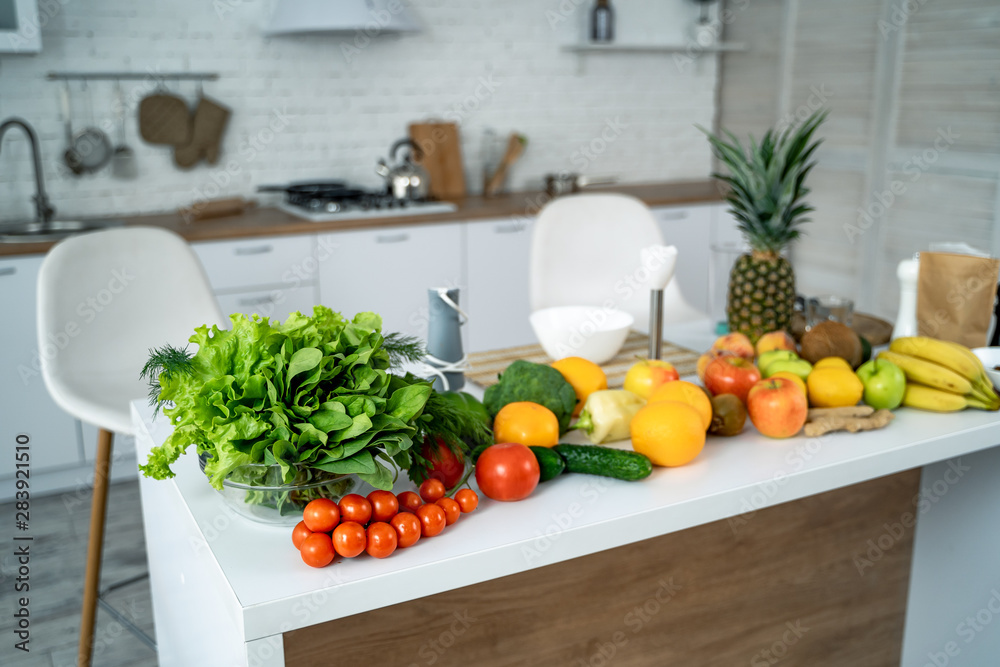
334 200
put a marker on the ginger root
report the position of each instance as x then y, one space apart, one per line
832 421
816 414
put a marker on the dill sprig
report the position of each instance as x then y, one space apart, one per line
164 362
402 348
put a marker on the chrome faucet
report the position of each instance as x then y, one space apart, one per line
43 208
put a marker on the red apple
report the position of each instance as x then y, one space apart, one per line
706 358
731 375
647 375
734 343
776 340
777 407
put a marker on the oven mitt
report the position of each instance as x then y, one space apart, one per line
207 128
164 119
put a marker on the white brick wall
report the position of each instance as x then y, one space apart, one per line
334 117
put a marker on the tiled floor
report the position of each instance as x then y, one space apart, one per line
59 524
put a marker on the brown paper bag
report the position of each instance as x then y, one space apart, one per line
955 295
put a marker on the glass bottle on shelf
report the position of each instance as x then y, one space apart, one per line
602 28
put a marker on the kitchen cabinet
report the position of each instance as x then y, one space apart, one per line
498 254
389 271
270 276
25 405
690 229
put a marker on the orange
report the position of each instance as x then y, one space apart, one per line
796 380
686 392
526 423
834 387
585 376
669 433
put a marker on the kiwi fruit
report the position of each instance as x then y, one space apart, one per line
832 339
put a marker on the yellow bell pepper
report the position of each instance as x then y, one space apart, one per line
606 415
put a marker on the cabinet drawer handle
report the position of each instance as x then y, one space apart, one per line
392 238
255 250
512 228
8 270
674 215
256 301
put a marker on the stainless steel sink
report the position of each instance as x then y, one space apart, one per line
55 230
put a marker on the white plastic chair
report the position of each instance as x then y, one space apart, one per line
585 252
105 299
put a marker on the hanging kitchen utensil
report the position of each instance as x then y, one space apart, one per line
164 119
207 127
407 181
441 156
70 156
515 147
91 144
123 164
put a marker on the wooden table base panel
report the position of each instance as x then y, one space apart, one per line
791 585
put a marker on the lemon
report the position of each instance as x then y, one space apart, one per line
832 362
834 387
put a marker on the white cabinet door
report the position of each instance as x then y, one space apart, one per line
273 303
389 270
25 406
690 229
499 253
258 262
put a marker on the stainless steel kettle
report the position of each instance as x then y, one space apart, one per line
406 181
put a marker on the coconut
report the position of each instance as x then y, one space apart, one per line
831 339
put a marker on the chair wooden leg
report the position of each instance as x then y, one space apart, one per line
95 545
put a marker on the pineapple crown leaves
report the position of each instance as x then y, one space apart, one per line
767 181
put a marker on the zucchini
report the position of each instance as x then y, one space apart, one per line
550 463
604 461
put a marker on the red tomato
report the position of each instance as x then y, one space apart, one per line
321 515
349 539
355 508
384 505
507 471
467 499
409 501
445 465
381 540
300 533
317 550
432 489
432 520
407 527
452 510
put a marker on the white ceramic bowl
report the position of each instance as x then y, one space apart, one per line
594 333
990 356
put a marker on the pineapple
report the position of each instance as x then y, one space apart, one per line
766 188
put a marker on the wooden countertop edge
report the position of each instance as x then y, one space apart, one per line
269 221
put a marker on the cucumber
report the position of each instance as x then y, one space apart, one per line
550 463
604 461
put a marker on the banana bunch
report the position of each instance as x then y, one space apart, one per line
941 376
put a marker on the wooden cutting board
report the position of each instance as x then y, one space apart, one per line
442 157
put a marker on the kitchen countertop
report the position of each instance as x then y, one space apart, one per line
265 595
269 221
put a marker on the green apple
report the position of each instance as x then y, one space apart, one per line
768 358
799 367
885 384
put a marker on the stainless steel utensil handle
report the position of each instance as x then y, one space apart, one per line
655 323
66 111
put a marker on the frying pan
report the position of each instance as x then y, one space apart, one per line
87 150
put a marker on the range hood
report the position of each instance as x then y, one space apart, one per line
292 17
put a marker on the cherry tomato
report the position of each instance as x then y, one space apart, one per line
300 533
349 539
409 501
407 527
384 505
445 464
432 519
507 471
381 540
467 499
451 508
433 489
321 515
356 508
317 550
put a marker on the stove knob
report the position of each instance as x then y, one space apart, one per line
315 204
332 207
